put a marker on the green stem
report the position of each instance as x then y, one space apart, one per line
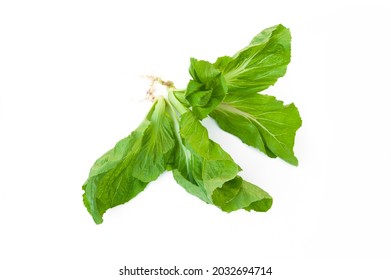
176 109
179 107
173 111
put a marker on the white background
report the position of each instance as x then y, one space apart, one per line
70 89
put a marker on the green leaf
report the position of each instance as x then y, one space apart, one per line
200 165
260 64
261 121
240 194
206 90
124 171
205 170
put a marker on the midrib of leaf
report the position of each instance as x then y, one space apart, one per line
232 74
175 120
226 107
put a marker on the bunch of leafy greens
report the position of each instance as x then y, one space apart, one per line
171 137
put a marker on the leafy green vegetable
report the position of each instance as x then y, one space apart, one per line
200 164
261 121
124 171
172 138
207 89
240 194
260 64
205 170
